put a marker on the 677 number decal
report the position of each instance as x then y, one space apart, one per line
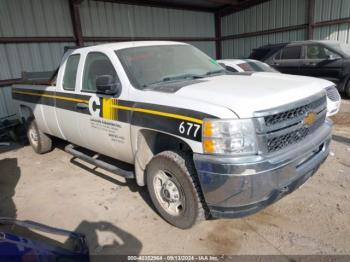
189 129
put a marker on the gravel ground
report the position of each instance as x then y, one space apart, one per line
118 218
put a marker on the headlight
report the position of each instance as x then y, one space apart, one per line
229 137
333 94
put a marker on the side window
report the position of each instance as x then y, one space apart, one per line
96 64
292 52
319 52
70 72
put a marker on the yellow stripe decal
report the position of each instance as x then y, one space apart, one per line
52 96
110 105
108 112
158 113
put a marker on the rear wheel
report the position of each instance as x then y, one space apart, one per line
40 142
174 189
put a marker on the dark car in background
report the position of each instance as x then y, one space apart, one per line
324 59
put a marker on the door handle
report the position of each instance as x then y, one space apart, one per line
82 106
310 63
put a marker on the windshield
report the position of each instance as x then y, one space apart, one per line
152 65
342 48
345 48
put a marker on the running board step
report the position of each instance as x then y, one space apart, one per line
99 163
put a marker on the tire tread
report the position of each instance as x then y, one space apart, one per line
185 161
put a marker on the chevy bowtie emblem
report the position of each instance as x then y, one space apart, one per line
310 118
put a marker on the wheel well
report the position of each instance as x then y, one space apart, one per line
150 143
26 113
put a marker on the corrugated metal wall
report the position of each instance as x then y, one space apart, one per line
35 18
326 10
106 19
7 109
16 58
30 18
270 15
51 18
283 13
241 48
112 19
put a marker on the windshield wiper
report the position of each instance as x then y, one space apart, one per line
215 72
175 78
183 76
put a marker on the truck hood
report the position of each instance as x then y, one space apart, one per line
245 94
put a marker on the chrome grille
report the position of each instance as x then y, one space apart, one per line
280 142
276 143
294 113
282 127
333 94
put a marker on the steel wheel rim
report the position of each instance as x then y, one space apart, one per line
33 136
169 193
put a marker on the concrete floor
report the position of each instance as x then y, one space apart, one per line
118 218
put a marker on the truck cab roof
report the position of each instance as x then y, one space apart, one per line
124 45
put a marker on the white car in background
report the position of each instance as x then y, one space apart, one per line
250 65
246 65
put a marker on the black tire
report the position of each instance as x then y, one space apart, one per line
40 142
179 166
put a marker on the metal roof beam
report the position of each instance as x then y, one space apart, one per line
240 6
168 5
225 2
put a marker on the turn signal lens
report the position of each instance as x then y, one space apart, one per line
208 129
208 146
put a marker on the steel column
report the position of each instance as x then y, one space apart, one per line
218 46
76 23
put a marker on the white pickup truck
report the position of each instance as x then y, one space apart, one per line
206 142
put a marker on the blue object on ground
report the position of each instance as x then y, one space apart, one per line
17 248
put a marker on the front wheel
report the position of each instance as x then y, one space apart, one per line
174 189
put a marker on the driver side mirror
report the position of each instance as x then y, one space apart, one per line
106 84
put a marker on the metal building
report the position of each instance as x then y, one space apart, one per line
33 33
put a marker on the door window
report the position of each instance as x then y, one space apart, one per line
96 64
319 52
291 52
70 72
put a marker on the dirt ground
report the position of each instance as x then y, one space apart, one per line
118 217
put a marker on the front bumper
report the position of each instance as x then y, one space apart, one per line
236 187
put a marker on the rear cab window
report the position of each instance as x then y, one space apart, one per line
70 72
